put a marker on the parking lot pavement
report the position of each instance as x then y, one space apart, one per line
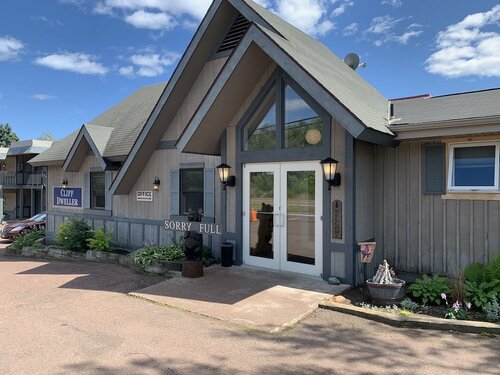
67 318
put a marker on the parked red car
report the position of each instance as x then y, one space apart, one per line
13 230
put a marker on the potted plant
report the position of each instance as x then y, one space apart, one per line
384 288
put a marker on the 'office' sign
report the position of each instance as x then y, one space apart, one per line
68 197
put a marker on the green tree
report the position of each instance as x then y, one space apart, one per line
46 136
7 136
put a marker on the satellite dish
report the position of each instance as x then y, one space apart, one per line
352 60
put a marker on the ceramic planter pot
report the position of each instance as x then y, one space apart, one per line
387 294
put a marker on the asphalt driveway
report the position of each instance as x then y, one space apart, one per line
67 318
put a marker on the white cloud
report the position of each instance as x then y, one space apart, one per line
194 8
43 97
307 15
383 24
127 71
342 8
467 49
10 48
405 38
394 3
149 64
81 63
382 28
48 21
153 21
350 29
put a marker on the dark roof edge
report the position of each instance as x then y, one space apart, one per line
83 134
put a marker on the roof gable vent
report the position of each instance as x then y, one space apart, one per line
234 35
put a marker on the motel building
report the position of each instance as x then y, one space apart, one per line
312 159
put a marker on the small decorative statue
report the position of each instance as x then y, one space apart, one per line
193 241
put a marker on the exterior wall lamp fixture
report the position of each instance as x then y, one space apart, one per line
156 184
329 166
65 183
224 177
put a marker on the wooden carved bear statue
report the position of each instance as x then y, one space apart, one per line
193 241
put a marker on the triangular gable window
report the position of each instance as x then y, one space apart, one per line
234 35
260 133
284 117
303 126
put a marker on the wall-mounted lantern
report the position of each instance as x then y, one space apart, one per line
4 166
329 166
224 177
65 183
156 184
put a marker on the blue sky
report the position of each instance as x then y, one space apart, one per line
63 62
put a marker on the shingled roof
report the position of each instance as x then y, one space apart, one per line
433 109
126 120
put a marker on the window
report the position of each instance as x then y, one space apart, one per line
474 167
97 191
284 118
260 134
303 126
191 190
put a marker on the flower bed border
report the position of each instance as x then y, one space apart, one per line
413 321
162 268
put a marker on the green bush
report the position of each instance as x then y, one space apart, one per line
429 289
74 234
480 273
482 294
493 268
171 253
29 240
100 241
476 272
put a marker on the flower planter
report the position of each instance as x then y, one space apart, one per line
386 294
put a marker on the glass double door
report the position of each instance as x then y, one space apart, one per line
282 209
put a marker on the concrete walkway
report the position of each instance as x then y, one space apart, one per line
259 299
76 318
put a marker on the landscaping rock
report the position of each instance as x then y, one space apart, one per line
334 281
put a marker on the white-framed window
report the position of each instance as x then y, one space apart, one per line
474 166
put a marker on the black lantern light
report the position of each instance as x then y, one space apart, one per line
329 166
224 177
65 183
156 184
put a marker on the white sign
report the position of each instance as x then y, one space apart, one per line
144 196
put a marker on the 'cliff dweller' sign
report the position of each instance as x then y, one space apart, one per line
68 197
187 226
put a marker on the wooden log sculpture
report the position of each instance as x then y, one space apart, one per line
384 274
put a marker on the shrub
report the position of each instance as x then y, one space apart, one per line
74 234
171 253
492 311
481 294
409 305
429 289
493 268
29 239
100 241
476 272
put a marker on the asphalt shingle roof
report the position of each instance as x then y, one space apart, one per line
114 131
468 105
357 95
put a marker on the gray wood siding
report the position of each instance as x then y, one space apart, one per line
160 165
55 175
426 233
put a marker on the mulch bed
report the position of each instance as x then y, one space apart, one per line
360 295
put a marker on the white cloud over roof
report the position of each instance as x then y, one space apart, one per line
470 47
78 62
